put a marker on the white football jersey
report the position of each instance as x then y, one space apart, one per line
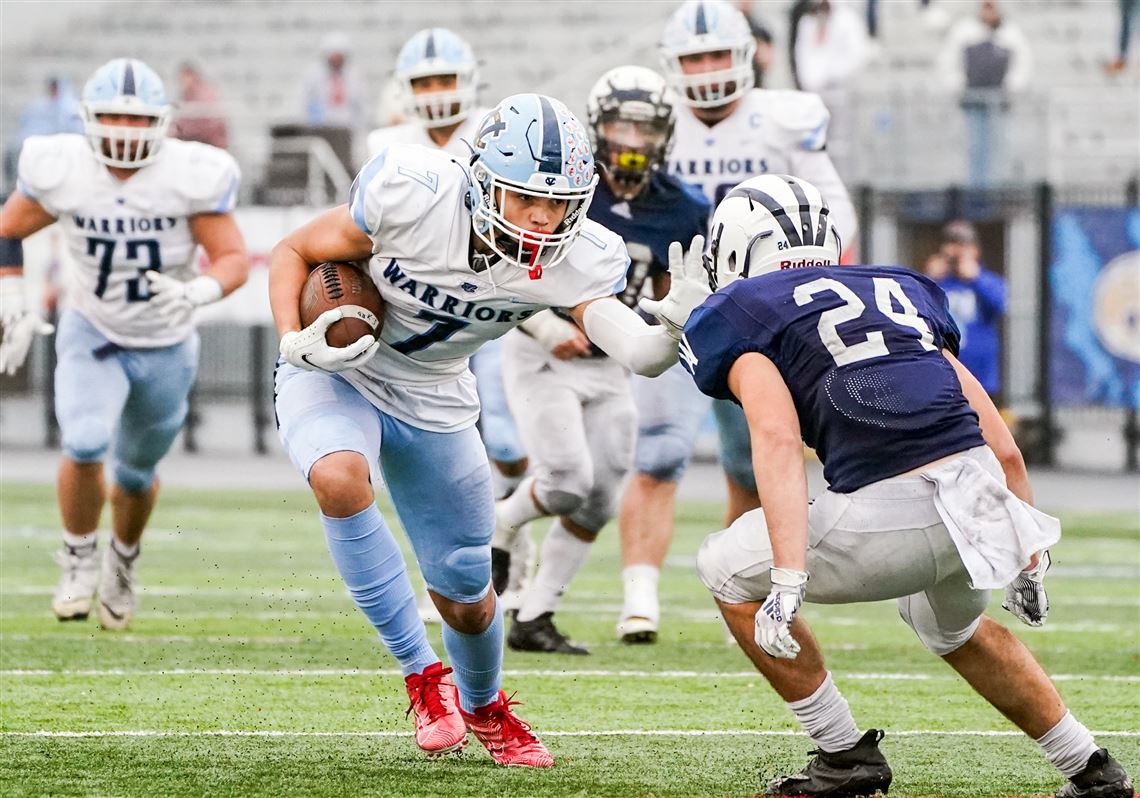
412 203
118 229
414 132
769 132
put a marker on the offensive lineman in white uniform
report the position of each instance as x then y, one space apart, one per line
134 207
438 78
461 255
726 132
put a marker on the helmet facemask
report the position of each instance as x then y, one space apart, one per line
631 150
124 146
441 108
715 88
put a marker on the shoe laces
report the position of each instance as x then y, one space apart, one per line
426 690
513 727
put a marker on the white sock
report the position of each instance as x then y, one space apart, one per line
640 583
519 507
503 485
123 549
826 718
1068 745
561 558
78 541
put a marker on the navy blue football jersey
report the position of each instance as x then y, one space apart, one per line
668 210
860 350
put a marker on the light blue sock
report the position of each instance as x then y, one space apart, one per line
477 661
372 567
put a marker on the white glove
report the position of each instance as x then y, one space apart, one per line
12 302
17 341
688 287
776 614
172 298
1025 597
309 350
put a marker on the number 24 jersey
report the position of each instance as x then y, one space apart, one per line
859 348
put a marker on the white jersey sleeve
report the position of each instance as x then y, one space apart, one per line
600 262
45 163
208 179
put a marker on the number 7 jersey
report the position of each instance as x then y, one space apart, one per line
118 229
859 348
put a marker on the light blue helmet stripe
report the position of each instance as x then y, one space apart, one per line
128 78
550 159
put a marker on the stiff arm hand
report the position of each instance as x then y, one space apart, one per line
688 287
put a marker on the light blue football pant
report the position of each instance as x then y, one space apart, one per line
496 424
137 398
440 484
671 411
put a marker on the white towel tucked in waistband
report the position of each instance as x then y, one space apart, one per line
995 532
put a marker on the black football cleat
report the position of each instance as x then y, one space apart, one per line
541 635
500 569
1103 777
859 772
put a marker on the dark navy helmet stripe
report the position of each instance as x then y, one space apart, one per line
128 79
805 212
774 208
700 26
550 159
429 48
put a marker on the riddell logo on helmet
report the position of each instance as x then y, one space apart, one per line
802 262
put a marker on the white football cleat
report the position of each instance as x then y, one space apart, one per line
78 582
633 629
117 594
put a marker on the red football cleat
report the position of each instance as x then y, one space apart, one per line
507 738
439 726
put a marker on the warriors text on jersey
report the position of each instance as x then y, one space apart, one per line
414 132
779 132
412 203
860 350
116 230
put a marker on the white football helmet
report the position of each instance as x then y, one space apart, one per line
631 117
768 223
706 26
125 87
438 51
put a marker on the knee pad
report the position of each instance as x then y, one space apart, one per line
562 491
87 440
463 576
919 615
134 479
663 452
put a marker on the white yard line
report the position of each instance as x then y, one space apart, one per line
515 673
564 733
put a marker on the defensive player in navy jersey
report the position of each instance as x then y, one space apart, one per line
928 502
574 404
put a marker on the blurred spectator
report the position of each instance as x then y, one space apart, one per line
828 50
198 115
1127 16
987 60
55 111
765 54
976 297
332 93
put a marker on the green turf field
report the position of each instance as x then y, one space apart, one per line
249 672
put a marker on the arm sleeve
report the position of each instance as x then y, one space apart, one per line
44 164
717 333
623 335
364 198
1021 68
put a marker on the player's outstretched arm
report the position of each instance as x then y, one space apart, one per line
20 217
995 432
778 462
642 348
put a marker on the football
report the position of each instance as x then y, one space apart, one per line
343 285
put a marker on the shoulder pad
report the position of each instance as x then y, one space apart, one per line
208 177
46 161
799 119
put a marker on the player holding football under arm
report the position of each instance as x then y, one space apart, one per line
726 132
461 255
439 81
134 206
573 403
928 501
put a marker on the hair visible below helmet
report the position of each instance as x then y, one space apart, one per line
768 223
438 51
530 144
705 26
125 86
642 99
